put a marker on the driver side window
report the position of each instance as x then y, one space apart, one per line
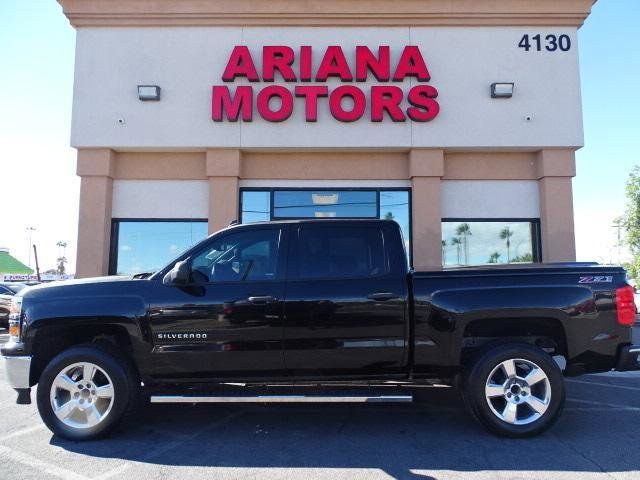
238 257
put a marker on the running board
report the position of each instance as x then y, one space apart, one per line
283 399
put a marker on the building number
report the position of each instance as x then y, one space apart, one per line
550 43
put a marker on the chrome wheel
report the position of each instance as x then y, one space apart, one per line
518 391
82 395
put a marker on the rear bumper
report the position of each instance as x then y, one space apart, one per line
628 358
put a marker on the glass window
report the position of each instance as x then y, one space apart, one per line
256 207
238 257
325 204
146 246
394 205
389 204
472 242
340 252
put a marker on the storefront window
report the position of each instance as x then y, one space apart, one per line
473 242
394 205
308 203
256 207
146 246
324 204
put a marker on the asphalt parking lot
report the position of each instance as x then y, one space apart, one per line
597 437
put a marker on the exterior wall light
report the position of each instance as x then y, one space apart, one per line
501 90
149 93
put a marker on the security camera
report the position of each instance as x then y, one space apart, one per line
528 118
121 121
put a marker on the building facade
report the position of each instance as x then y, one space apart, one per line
458 119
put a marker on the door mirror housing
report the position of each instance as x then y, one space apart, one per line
179 274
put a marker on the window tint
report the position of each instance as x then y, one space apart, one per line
340 252
238 257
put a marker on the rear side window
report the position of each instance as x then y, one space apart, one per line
340 252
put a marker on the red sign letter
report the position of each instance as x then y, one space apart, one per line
386 98
240 65
286 103
334 65
411 64
277 58
305 63
221 103
365 59
359 103
425 108
311 94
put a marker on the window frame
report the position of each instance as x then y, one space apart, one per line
377 190
536 236
115 231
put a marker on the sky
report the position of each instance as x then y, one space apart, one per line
40 189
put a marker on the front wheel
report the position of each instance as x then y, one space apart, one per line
84 392
514 390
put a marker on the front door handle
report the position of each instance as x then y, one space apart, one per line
382 296
262 299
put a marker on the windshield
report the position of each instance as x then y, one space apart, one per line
14 287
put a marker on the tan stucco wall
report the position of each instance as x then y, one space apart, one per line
96 167
82 13
424 168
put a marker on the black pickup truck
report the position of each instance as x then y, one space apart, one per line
327 310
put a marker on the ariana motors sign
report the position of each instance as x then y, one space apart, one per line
347 102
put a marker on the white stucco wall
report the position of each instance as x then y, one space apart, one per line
187 61
160 199
490 199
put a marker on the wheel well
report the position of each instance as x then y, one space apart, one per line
51 340
546 333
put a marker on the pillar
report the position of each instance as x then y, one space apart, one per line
555 169
426 168
96 170
223 171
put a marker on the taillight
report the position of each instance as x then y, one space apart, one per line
625 305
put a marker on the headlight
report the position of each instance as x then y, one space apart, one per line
15 312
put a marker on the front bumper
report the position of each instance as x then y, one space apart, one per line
628 358
18 366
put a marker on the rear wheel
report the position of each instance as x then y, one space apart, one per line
514 390
84 392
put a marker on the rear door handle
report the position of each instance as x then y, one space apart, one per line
262 299
382 296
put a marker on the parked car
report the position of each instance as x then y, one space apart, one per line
317 306
7 290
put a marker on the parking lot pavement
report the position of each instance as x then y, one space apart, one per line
433 438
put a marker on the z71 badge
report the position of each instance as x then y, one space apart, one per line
596 279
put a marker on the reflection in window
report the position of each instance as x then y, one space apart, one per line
345 252
324 204
469 242
385 204
146 246
394 205
256 207
239 257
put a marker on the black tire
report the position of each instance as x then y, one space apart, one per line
125 390
477 374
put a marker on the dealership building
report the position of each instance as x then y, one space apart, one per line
458 119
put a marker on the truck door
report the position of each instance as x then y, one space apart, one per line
346 300
227 322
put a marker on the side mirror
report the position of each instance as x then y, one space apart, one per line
179 274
